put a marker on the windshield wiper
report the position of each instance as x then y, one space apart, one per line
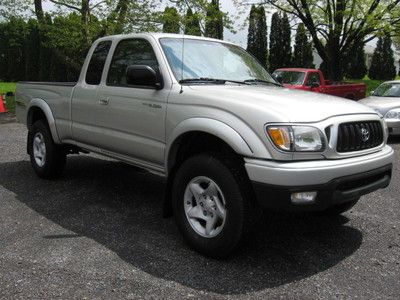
210 80
256 80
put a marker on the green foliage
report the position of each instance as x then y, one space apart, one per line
192 23
303 53
286 42
8 87
274 57
257 43
335 26
382 63
355 66
171 20
12 49
214 27
280 51
13 8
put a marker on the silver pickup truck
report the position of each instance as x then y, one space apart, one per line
207 116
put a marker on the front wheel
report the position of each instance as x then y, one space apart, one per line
47 158
211 203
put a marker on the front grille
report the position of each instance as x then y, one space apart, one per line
355 136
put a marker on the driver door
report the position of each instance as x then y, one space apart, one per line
132 118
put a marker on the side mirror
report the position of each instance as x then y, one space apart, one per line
277 77
143 75
314 85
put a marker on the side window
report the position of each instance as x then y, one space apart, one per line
127 53
313 78
97 62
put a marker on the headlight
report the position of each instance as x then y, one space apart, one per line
296 138
393 114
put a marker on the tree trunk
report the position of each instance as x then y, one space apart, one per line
85 22
334 61
39 10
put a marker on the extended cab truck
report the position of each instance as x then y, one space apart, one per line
313 80
228 138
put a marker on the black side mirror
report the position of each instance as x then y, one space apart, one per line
278 78
143 75
314 85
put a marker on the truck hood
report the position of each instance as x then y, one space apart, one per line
290 105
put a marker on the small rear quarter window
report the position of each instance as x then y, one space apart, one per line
97 62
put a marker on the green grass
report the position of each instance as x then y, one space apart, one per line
8 87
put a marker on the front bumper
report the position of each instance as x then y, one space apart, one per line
336 181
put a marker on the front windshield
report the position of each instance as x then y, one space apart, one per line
290 77
388 90
209 59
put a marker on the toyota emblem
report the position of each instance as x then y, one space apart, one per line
364 134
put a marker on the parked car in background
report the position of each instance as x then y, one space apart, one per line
386 100
313 80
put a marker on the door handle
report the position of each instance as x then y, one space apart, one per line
104 101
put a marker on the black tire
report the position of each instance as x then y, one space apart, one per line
230 177
55 156
337 209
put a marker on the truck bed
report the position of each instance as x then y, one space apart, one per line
56 94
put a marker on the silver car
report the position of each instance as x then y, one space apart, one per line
386 100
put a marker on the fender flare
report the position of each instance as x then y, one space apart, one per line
210 126
45 108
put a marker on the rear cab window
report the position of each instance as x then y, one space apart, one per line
97 62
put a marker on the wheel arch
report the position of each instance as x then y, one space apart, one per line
203 127
38 109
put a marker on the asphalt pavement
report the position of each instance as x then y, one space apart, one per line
98 233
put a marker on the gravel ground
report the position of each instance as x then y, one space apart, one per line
98 233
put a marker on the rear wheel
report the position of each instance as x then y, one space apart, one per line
211 203
47 159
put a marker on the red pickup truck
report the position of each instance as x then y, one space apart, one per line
314 81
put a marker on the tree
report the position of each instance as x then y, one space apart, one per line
32 51
389 68
275 46
214 27
251 34
171 20
336 25
192 23
286 42
303 53
12 49
355 66
257 43
382 63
